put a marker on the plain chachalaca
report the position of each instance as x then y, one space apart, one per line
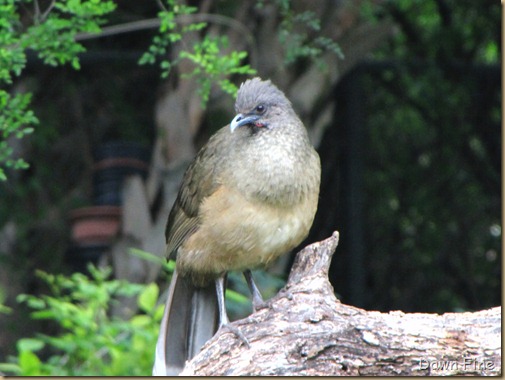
249 196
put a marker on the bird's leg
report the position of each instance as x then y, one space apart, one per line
257 299
223 315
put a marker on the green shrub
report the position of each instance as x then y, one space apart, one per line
90 341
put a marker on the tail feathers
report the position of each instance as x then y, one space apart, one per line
204 319
190 319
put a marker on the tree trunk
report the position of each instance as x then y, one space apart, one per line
305 330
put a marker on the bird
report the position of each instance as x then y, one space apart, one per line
249 196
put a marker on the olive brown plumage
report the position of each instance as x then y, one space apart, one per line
249 196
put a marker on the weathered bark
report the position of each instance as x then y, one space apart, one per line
305 330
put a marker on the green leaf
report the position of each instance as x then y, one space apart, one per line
158 313
236 297
7 368
29 363
4 309
147 256
29 344
148 298
43 314
35 303
141 321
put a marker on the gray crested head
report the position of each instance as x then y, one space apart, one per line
255 91
260 104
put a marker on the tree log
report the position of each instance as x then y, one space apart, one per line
305 330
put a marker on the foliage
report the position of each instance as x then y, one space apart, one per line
3 309
211 66
170 32
90 341
299 35
14 120
300 44
432 165
52 35
212 63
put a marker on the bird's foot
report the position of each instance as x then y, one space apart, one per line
257 299
259 304
236 331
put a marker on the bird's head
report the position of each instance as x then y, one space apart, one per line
259 104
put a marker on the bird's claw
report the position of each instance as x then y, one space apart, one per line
236 331
259 304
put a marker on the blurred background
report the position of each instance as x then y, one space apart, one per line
402 100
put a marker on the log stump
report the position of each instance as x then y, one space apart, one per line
305 330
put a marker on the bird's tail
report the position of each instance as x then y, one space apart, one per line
190 319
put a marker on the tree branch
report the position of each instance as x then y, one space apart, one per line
306 331
48 10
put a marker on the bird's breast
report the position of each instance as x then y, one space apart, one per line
237 234
277 173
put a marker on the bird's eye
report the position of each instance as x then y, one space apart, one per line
260 108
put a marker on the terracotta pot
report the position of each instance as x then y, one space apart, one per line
95 225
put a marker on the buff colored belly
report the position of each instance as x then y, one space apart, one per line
240 235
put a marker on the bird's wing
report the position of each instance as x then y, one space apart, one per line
200 181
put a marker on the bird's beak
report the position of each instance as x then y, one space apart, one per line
240 120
